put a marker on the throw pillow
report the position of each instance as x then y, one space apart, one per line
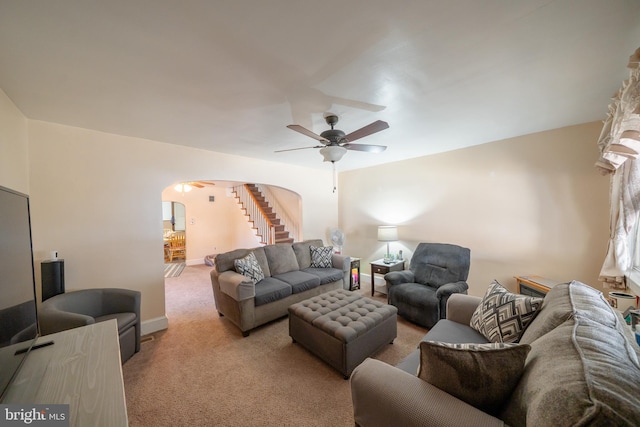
503 316
249 267
321 256
482 375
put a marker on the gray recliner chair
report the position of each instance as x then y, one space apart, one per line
79 308
436 271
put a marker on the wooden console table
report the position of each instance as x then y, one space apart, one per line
82 369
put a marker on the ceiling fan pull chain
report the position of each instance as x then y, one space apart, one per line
335 176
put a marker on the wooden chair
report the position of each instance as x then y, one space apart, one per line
177 247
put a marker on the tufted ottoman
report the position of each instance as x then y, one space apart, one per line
342 328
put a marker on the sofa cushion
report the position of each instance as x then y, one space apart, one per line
503 316
303 252
453 332
580 373
261 256
225 261
124 320
300 281
321 256
483 375
326 275
416 302
281 258
271 289
560 304
248 266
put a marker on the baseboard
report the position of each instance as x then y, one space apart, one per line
154 325
195 261
365 282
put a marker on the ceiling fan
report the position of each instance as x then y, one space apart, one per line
336 142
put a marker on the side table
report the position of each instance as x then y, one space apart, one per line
380 267
355 274
535 286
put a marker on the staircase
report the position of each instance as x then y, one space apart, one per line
264 221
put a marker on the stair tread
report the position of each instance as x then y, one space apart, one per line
281 235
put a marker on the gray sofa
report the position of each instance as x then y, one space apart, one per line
583 369
289 278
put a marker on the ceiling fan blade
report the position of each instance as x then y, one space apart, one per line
374 127
365 147
301 148
307 132
200 184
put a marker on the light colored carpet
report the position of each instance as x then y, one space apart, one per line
173 269
202 372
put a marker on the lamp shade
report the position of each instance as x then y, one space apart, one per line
333 153
387 233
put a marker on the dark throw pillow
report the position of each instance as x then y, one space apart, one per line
482 375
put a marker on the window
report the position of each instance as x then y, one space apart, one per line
633 275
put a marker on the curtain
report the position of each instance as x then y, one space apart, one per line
619 145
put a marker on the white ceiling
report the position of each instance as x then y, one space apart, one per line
228 76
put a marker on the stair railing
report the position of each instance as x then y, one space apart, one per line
290 224
261 223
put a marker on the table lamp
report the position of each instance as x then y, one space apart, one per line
387 233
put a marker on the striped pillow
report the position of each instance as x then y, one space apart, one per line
249 267
321 256
503 316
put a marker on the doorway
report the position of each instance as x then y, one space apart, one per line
174 217
174 221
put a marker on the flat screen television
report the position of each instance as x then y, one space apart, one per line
18 313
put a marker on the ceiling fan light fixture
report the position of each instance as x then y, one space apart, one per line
182 188
332 153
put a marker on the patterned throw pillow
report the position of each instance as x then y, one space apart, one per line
483 375
249 267
503 316
321 257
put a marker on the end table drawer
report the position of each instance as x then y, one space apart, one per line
379 267
380 270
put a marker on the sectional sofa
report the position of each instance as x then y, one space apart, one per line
286 274
582 368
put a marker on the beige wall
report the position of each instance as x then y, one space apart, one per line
96 198
14 154
527 205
